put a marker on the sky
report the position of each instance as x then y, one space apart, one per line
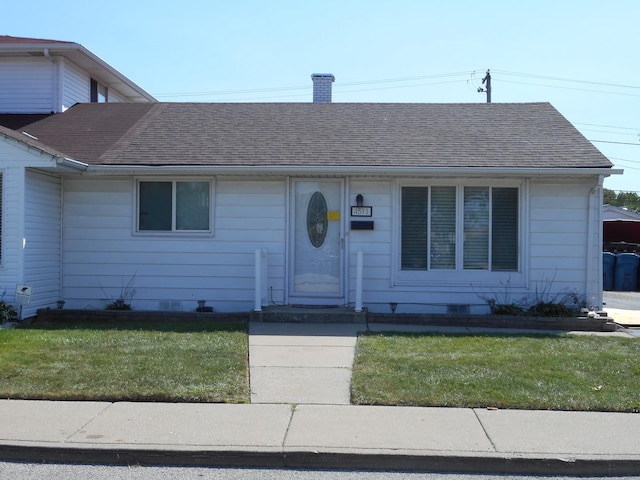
581 56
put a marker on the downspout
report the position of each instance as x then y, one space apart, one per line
57 107
594 221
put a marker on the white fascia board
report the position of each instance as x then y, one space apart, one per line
346 170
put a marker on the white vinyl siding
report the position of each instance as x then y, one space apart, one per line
115 97
43 85
558 233
42 240
75 86
28 86
101 253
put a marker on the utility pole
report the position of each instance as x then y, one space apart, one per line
487 80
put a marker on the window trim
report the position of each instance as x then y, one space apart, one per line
173 232
440 279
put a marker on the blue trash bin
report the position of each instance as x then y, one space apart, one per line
626 272
608 261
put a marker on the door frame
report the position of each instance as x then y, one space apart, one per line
319 298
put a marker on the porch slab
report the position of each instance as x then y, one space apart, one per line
309 314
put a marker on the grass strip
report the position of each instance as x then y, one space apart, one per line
563 372
171 361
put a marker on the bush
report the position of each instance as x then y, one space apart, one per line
7 312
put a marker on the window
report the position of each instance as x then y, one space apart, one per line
459 228
98 92
168 206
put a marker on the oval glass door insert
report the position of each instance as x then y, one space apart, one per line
317 221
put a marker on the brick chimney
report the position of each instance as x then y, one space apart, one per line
322 87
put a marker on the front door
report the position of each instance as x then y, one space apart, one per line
317 241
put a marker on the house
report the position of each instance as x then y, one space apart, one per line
39 77
621 230
413 207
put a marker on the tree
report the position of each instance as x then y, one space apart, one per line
630 200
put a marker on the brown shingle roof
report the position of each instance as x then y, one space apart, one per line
32 142
8 39
529 135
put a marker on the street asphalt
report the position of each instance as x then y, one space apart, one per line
300 417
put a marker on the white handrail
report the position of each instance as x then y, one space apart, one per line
260 281
359 268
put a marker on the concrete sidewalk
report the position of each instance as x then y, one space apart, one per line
322 436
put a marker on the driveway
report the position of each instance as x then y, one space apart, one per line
623 307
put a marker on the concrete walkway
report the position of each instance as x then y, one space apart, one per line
302 363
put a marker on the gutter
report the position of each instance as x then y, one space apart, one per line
345 170
593 286
57 104
70 165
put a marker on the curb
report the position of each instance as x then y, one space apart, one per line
313 460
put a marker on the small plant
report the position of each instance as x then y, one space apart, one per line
118 304
542 303
504 304
127 292
552 309
7 312
507 309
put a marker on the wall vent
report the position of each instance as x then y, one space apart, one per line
458 309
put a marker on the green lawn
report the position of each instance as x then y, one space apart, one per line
526 372
173 361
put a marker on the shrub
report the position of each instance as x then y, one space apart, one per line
7 312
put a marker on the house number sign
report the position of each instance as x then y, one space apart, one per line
361 211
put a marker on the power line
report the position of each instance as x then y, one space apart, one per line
617 143
338 86
624 159
572 88
419 77
607 126
559 79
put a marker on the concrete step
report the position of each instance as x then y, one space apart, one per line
309 314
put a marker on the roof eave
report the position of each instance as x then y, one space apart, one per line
348 170
59 163
68 165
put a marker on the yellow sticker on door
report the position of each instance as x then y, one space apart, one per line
333 215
